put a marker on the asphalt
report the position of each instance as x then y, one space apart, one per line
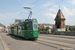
3 45
44 42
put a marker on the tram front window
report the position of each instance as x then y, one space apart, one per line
35 27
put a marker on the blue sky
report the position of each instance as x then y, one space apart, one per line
42 10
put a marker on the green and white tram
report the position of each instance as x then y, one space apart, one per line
27 29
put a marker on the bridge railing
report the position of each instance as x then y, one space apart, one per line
71 33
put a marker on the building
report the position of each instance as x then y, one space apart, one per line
60 21
2 28
17 21
46 25
11 24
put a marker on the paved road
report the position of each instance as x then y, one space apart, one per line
1 45
44 42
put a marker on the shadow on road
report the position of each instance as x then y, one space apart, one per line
18 38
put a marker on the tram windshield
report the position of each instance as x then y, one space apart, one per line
35 26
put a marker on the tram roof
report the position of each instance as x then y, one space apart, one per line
27 20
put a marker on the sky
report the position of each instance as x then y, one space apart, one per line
43 10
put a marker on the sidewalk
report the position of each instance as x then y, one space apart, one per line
1 45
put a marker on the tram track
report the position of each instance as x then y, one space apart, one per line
55 44
58 36
58 40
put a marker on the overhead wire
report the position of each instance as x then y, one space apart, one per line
29 6
7 15
34 3
49 6
35 12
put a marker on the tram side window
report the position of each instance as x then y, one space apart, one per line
28 26
19 27
9 29
25 26
22 27
15 28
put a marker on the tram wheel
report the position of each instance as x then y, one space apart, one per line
34 39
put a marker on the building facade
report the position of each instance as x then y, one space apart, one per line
2 28
60 21
17 21
46 25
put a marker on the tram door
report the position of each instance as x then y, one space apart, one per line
26 31
12 30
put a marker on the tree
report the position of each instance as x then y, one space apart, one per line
66 29
39 29
44 29
74 29
47 28
71 29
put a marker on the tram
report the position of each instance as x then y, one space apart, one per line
27 29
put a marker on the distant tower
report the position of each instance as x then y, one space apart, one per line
60 21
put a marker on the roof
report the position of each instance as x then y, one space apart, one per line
2 25
59 15
17 20
46 24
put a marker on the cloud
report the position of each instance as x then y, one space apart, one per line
67 12
4 16
7 18
52 10
70 22
50 15
73 1
69 15
28 5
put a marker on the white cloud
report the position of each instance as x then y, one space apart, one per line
52 10
4 16
73 1
28 5
69 15
50 15
70 22
67 12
